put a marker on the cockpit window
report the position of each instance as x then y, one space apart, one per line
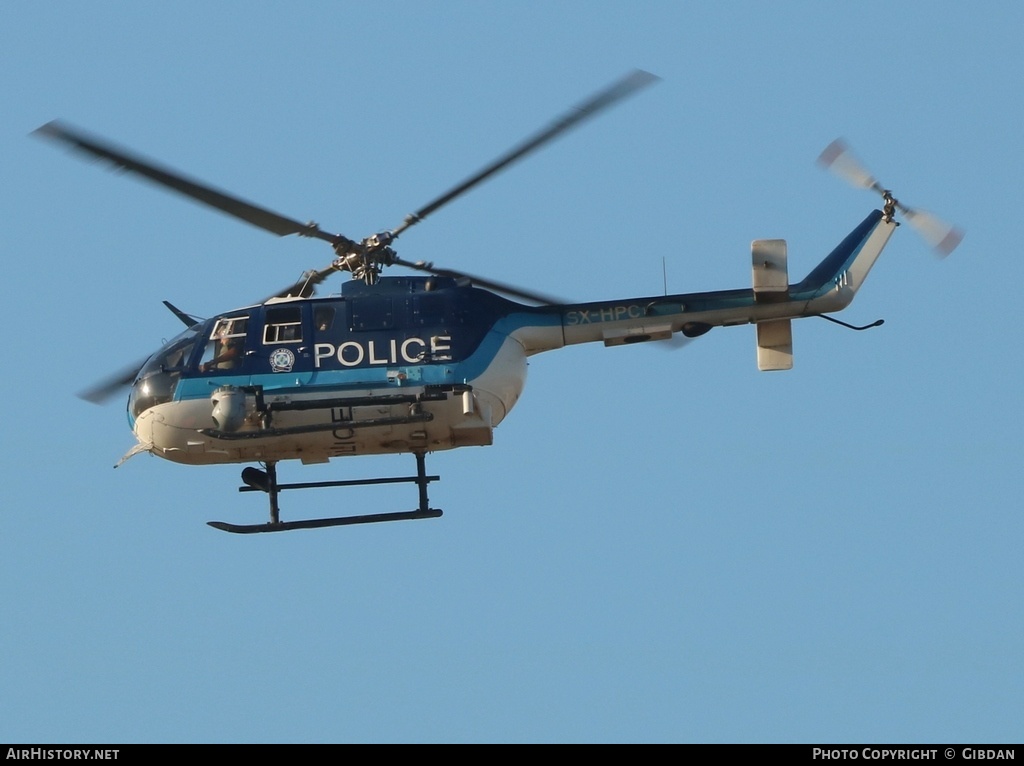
226 345
323 318
284 325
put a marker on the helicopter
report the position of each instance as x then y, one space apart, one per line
431 361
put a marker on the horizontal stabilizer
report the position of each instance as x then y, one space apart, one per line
775 345
770 270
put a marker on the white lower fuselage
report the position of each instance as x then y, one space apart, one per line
174 430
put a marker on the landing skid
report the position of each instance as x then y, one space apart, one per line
284 526
266 481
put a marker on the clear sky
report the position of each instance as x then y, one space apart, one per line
660 546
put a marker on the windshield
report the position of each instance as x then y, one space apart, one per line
173 355
159 376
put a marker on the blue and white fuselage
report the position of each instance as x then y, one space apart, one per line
420 364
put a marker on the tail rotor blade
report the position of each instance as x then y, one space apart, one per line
839 159
942 236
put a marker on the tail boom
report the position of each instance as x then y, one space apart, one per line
770 304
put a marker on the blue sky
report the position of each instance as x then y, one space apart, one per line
660 546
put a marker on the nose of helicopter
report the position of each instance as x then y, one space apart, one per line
163 438
173 430
142 426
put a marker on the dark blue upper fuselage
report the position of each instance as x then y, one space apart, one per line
394 327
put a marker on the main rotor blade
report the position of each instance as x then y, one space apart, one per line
226 203
490 284
305 286
109 387
186 319
619 90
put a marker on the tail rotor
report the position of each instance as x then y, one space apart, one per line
838 158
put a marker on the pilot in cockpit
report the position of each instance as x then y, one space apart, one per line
228 355
227 351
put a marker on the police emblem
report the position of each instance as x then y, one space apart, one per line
282 360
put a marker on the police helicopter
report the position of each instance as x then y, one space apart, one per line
430 361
